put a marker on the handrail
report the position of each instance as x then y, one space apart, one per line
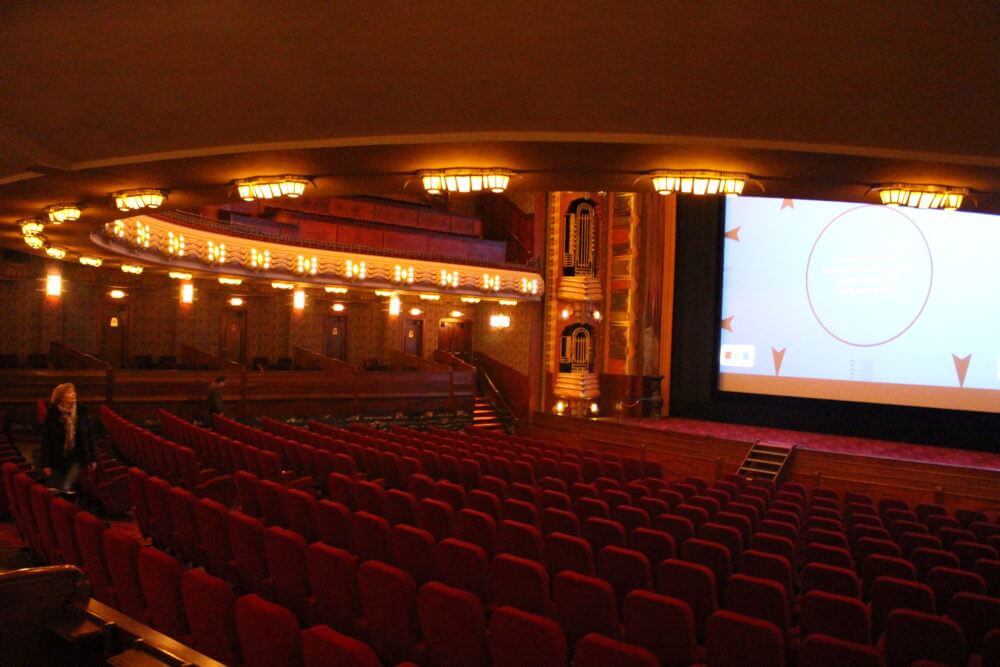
66 356
245 231
397 359
485 376
453 360
192 355
304 358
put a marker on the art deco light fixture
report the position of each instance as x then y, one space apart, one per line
53 285
187 293
117 294
456 314
271 187
179 275
281 285
471 299
698 182
35 242
299 299
30 227
394 305
921 196
416 312
133 200
236 302
500 321
54 252
60 213
464 180
337 307
333 289
223 280
91 261
132 268
430 297
507 302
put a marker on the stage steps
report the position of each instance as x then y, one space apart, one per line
484 415
766 460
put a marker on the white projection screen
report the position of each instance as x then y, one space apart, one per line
853 302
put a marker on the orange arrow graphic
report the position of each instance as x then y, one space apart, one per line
779 356
961 367
727 324
787 203
733 234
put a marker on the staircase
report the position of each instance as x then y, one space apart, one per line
766 460
484 415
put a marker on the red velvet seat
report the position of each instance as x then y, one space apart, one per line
210 611
415 552
625 569
595 650
646 615
401 507
768 566
521 583
583 605
969 552
160 576
63 514
890 594
816 552
284 552
211 521
657 545
777 545
186 541
759 598
884 566
838 616
372 537
463 565
89 537
912 635
453 624
246 537
710 554
333 524
520 639
332 576
389 610
268 634
830 579
693 584
602 533
946 582
434 516
475 527
299 509
121 551
819 650
486 502
323 646
735 640
519 539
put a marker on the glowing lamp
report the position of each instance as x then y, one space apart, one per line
134 269
597 315
271 187
331 289
464 180
53 285
55 253
35 242
116 294
394 305
91 261
507 302
223 280
594 408
236 302
384 292
921 196
698 182
338 307
470 299
565 313
31 227
299 299
456 313
280 285
500 321
133 200
179 275
187 293
416 312
430 297
60 213
560 407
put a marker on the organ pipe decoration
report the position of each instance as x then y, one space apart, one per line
580 252
185 246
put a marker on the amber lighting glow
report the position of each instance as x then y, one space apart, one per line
53 284
449 278
223 280
337 307
698 182
922 196
331 289
91 261
464 180
401 274
471 299
271 187
299 299
280 285
236 302
416 312
116 294
132 268
56 253
187 293
500 321
394 305
34 242
594 408
133 200
456 314
179 275
560 407
31 227
430 297
60 213
507 302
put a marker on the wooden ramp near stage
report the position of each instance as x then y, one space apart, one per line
956 485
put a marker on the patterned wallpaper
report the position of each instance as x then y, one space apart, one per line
510 346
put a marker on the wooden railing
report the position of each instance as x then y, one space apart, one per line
452 361
64 356
313 361
193 358
401 361
511 385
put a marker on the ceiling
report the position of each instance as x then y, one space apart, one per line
814 99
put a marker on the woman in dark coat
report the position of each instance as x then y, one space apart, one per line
67 441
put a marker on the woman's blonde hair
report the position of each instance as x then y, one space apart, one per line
60 391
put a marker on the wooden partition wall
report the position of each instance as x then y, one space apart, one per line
711 457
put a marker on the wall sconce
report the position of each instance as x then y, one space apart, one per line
223 280
187 293
260 259
134 269
307 265
280 285
271 187
337 307
529 286
236 302
471 299
117 294
456 314
55 253
133 200
565 313
507 302
699 182
560 407
594 408
449 278
394 305
921 196
175 244
490 282
500 321
53 285
464 180
331 289
430 297
416 312
91 261
179 275
385 292
597 316
60 213
299 299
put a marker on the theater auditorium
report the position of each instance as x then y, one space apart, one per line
515 334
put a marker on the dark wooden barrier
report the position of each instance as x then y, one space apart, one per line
64 356
313 361
512 384
193 358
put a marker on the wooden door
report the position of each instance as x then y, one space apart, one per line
454 336
336 337
413 337
114 334
233 338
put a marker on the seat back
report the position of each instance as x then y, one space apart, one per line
268 633
246 537
693 584
414 552
89 537
520 639
838 616
645 616
626 570
819 650
453 625
121 551
333 578
521 583
389 607
323 646
735 640
210 611
463 565
284 552
160 575
912 635
585 604
596 650
568 552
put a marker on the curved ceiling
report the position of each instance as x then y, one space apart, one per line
814 99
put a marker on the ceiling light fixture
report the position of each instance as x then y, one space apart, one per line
501 321
299 299
280 285
271 187
464 179
507 302
416 312
57 253
117 294
30 227
921 196
35 242
132 268
471 299
331 289
187 293
338 307
133 200
60 213
53 285
456 314
700 182
430 297
179 275
236 302
223 280
91 261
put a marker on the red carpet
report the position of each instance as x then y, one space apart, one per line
827 443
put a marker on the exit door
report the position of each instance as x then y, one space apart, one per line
231 343
453 336
413 337
114 334
336 337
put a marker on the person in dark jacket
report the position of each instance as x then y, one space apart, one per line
67 440
215 396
